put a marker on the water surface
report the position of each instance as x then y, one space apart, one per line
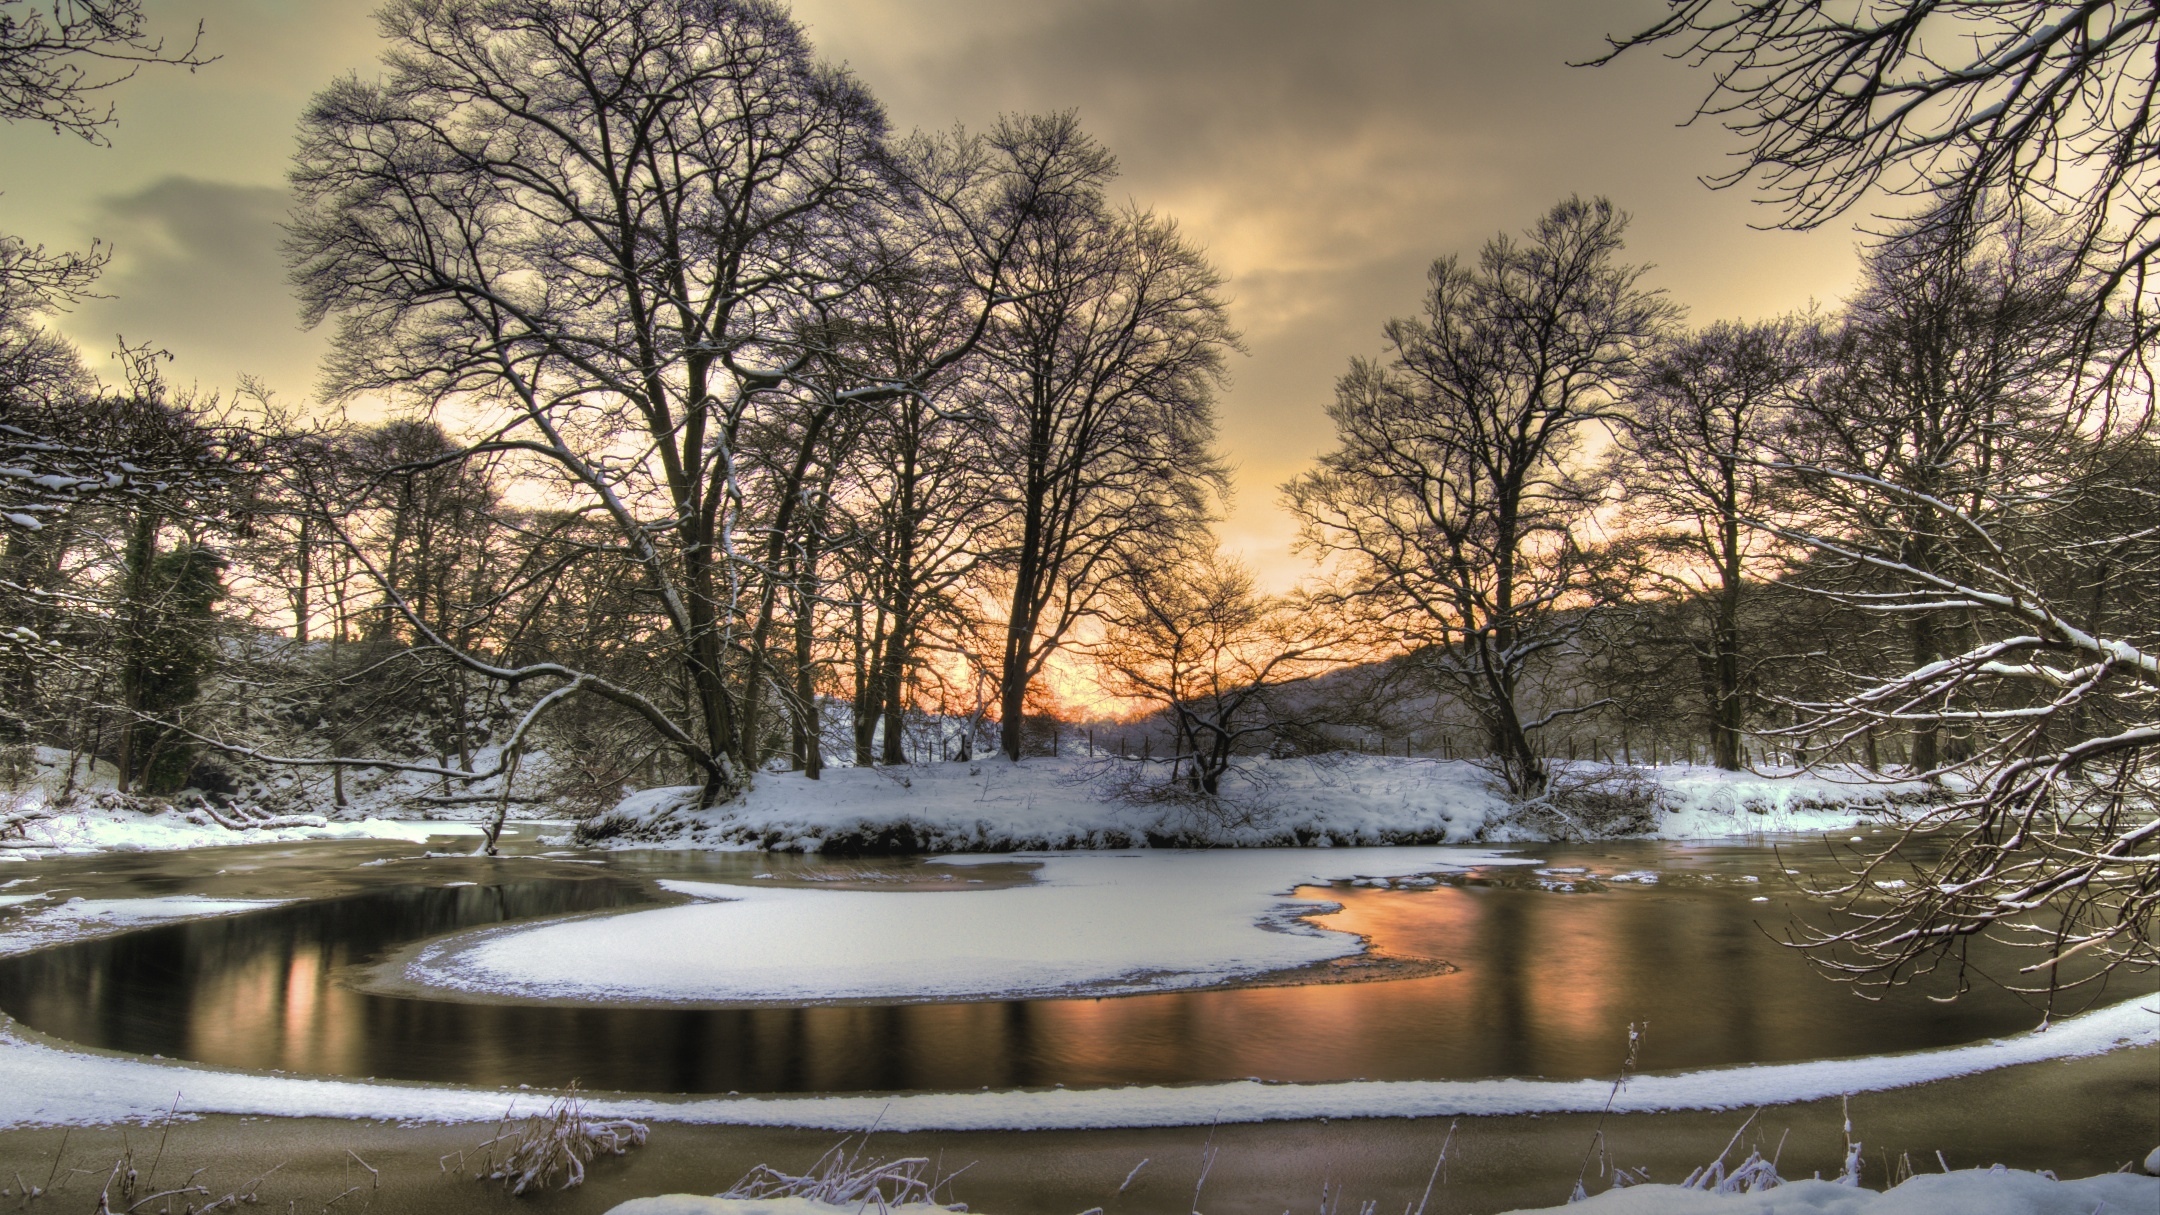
1550 969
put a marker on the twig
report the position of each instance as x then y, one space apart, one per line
151 1176
365 1165
57 1154
1127 1183
1439 1165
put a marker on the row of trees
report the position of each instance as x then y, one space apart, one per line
726 389
1545 467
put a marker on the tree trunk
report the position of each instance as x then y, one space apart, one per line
1027 577
142 547
1926 735
716 708
809 753
301 599
895 720
790 493
1727 720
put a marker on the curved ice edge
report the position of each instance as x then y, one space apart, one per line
50 1085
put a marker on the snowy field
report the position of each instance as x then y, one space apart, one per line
1090 924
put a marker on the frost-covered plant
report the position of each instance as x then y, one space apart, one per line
1750 1175
1597 1138
848 1178
558 1143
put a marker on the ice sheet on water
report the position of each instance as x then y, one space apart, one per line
1089 922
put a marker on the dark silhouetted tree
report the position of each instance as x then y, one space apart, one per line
1455 495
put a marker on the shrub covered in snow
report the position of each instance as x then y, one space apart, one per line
555 1146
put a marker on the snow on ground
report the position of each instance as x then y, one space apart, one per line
1092 924
994 805
105 829
694 1204
1704 802
37 821
50 1084
1997 1191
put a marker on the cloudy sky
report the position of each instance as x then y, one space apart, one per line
1325 152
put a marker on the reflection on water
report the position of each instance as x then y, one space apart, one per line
1547 985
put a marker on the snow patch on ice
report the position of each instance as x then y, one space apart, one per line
84 917
1097 924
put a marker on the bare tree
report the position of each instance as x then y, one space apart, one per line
2055 845
56 57
1194 636
1964 105
1456 493
1951 378
1689 459
614 235
927 512
1102 373
1990 114
598 226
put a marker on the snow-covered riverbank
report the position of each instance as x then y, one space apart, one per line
50 1083
51 816
96 824
993 805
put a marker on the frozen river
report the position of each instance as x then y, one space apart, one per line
1457 964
